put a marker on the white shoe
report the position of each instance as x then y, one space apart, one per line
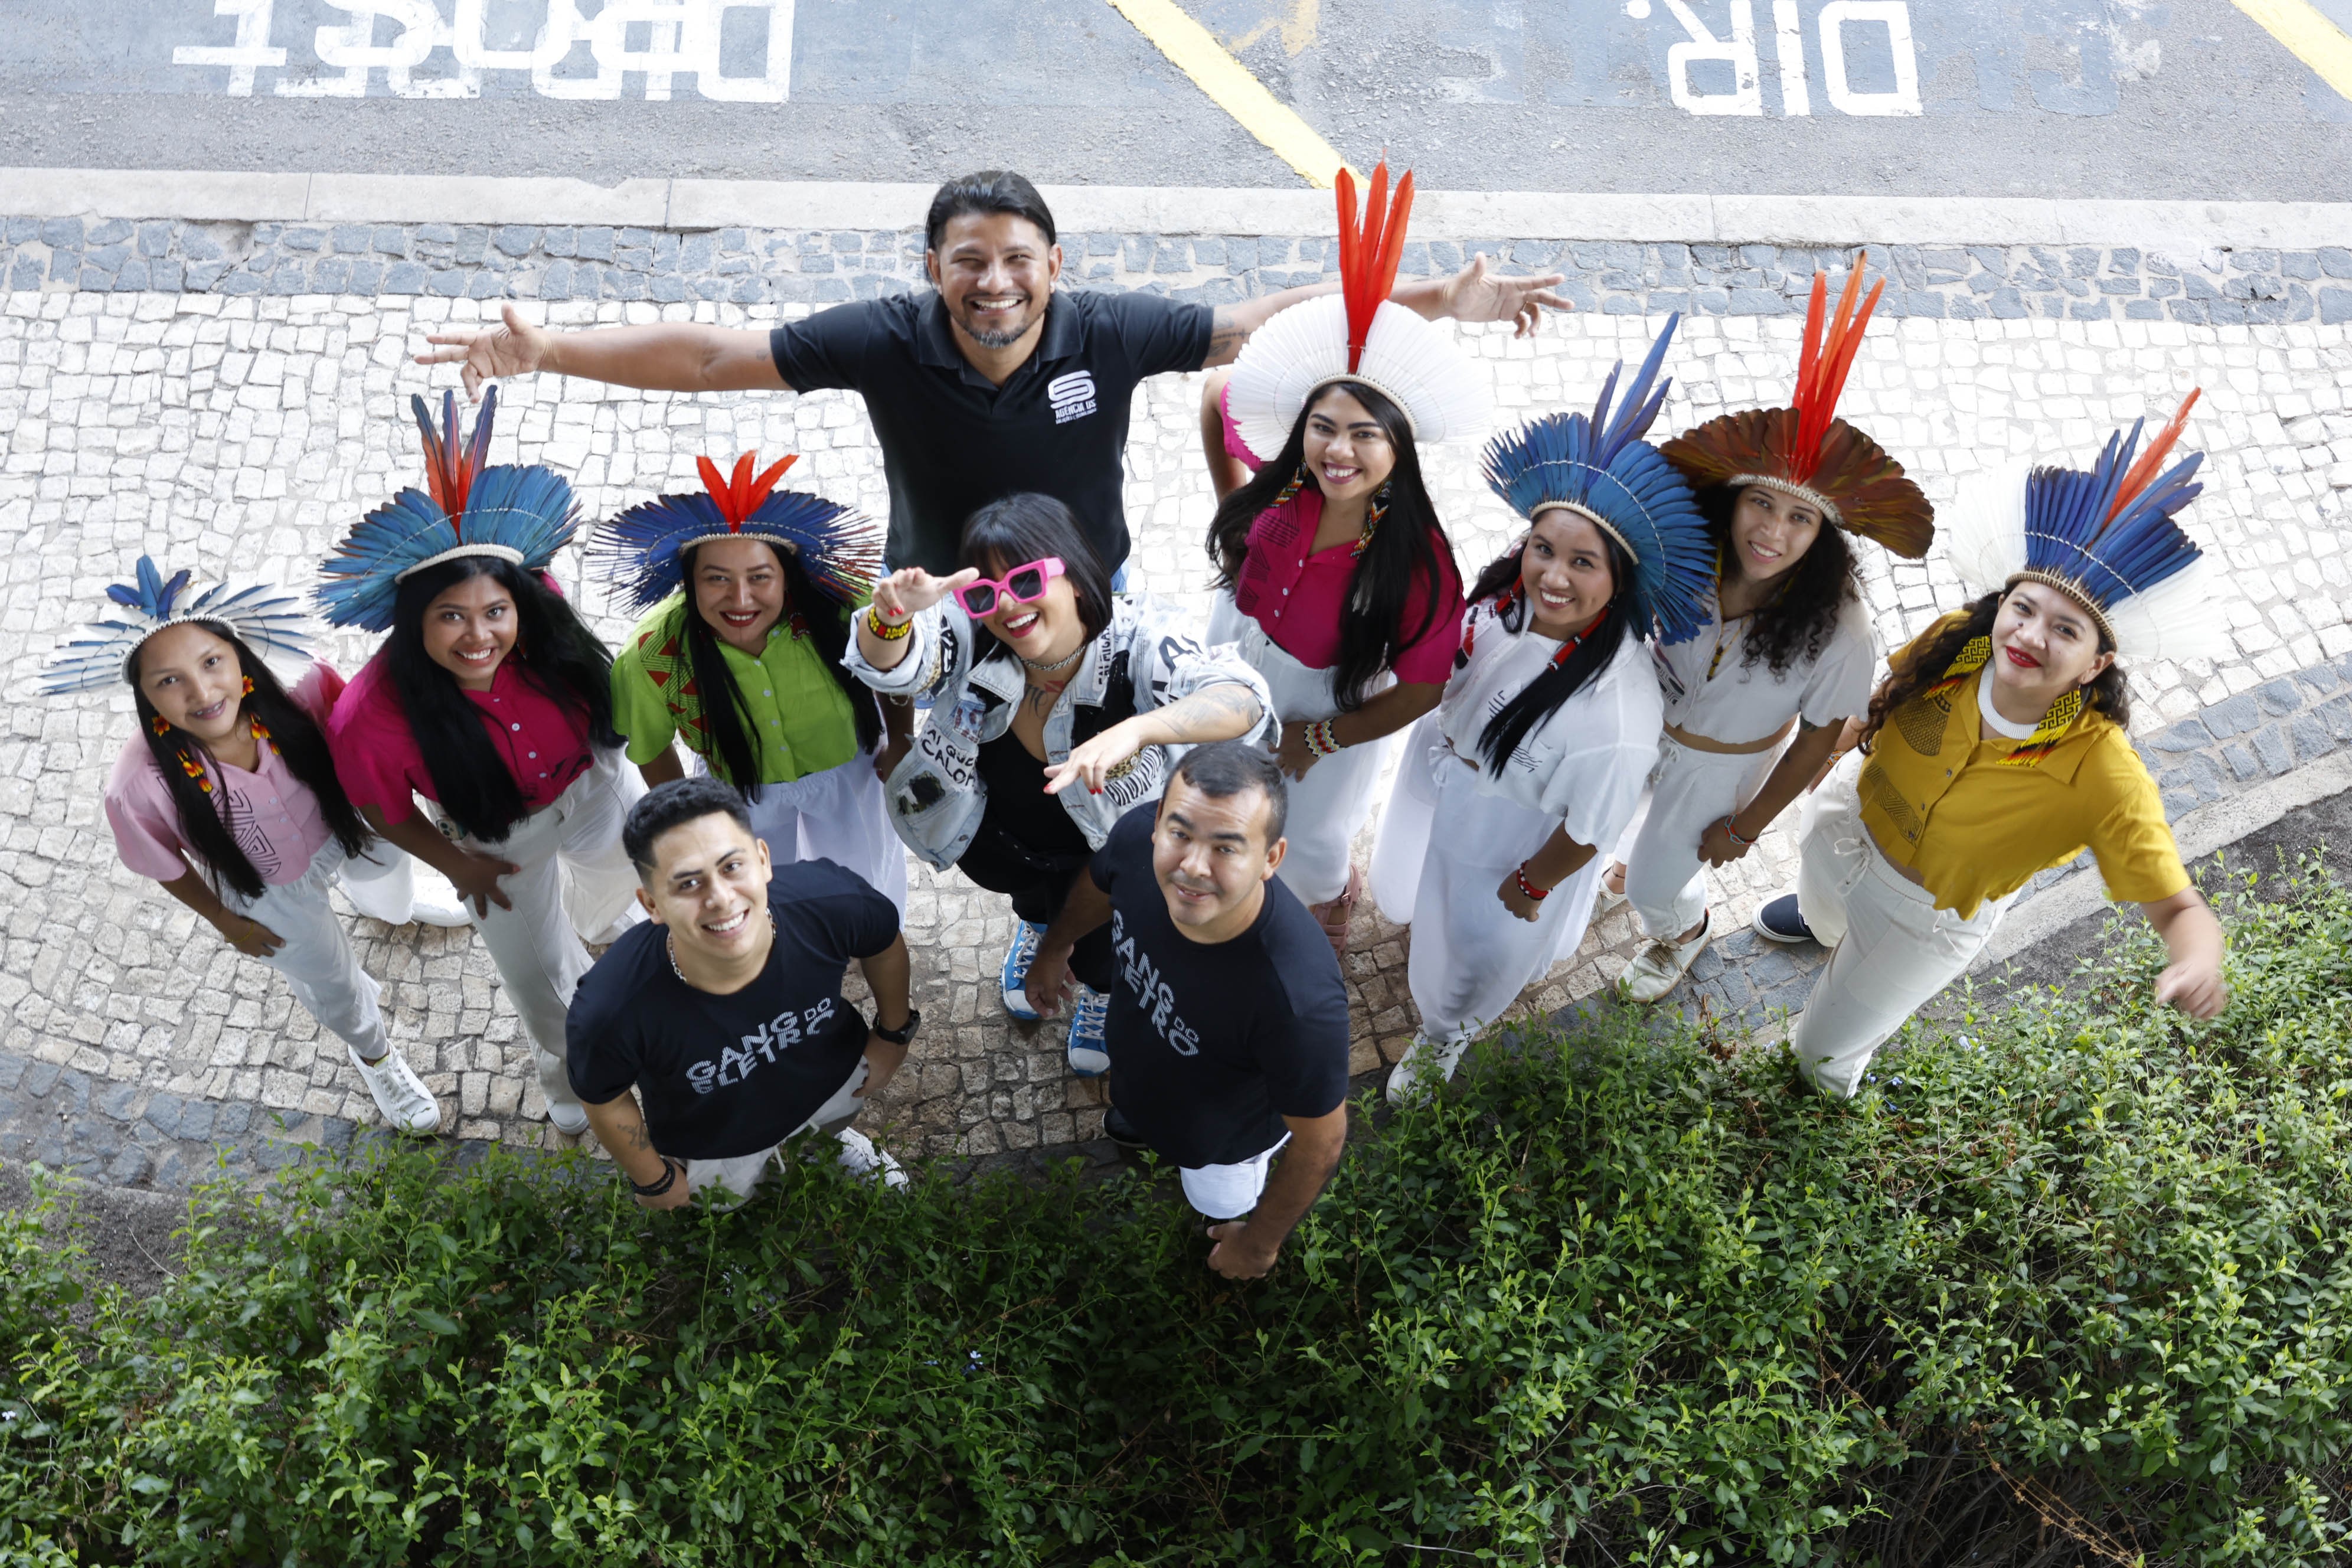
859 1157
628 920
400 1098
571 1121
1425 1063
433 912
1660 964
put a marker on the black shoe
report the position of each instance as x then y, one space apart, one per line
1780 921
1120 1130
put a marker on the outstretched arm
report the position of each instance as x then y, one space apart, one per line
1470 295
665 356
1218 712
2192 982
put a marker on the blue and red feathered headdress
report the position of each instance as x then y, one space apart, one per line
641 553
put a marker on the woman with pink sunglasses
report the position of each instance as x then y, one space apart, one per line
1053 709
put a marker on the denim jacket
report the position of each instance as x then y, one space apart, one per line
1148 657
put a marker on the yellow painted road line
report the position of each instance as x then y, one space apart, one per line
2309 36
1198 55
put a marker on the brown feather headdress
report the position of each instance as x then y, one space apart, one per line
1805 450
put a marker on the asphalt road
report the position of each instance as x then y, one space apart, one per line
2044 98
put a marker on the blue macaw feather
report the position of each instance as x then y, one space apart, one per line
638 553
2070 535
268 618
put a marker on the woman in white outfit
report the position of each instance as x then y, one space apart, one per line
1997 749
229 798
492 702
1757 701
747 592
1335 578
1536 754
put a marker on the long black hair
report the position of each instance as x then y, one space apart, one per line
734 739
2108 693
553 650
300 745
1410 549
1802 615
1541 696
1028 527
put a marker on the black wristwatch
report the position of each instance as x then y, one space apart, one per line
905 1032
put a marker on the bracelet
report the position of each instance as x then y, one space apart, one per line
886 630
1733 834
670 1169
1527 889
1320 738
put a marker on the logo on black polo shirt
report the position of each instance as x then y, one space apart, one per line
1072 395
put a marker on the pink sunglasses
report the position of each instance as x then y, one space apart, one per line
1025 585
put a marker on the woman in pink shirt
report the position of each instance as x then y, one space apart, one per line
493 703
227 797
1339 584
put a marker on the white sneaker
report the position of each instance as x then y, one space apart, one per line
435 903
571 1121
400 1098
1660 964
859 1157
1604 900
1425 1064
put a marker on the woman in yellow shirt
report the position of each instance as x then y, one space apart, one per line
1996 748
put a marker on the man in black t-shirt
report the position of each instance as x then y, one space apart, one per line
998 383
725 1012
1228 1024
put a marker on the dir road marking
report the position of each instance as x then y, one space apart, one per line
2308 36
1198 55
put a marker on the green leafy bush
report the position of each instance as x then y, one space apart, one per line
2075 1288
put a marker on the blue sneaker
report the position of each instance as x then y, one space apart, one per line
1027 934
1779 920
1089 1051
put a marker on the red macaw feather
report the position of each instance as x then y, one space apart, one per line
740 494
2143 472
1824 363
1370 251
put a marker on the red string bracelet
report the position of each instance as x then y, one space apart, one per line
1528 888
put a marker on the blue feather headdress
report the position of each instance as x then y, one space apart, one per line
265 619
641 553
2107 538
520 515
1600 468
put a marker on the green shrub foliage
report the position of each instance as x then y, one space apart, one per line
2072 1289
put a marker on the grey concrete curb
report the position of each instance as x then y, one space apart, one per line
2172 228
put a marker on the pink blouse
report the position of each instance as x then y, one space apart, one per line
1298 598
543 742
272 814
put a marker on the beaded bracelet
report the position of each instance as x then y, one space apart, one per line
1320 740
885 629
1733 834
1528 888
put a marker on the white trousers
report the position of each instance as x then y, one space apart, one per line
382 883
1229 1192
837 816
575 884
1665 881
1471 956
317 959
731 1181
1891 949
1329 806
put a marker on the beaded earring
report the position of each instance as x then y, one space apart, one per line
161 725
249 686
1372 515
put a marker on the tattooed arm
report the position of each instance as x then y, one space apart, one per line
1216 712
1470 295
620 1126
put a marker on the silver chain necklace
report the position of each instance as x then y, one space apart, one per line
1057 664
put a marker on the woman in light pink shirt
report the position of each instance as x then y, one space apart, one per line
227 797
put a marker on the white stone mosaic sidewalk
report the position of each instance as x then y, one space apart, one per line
246 433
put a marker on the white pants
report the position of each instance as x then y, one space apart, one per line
731 1181
317 959
1665 881
1471 956
1229 1192
1327 807
382 883
1891 949
575 884
838 816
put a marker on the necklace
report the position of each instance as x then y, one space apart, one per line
669 950
1058 664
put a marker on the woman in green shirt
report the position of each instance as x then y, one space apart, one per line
749 591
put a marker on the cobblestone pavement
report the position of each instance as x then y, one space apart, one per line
246 423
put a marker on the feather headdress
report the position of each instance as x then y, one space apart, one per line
520 515
1805 450
1359 334
641 552
1601 469
264 619
2107 538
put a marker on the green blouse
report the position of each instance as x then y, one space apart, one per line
798 711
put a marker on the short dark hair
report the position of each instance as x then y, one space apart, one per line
1026 526
674 805
1222 769
988 191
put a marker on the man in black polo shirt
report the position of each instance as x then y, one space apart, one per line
725 1012
1228 1024
998 383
